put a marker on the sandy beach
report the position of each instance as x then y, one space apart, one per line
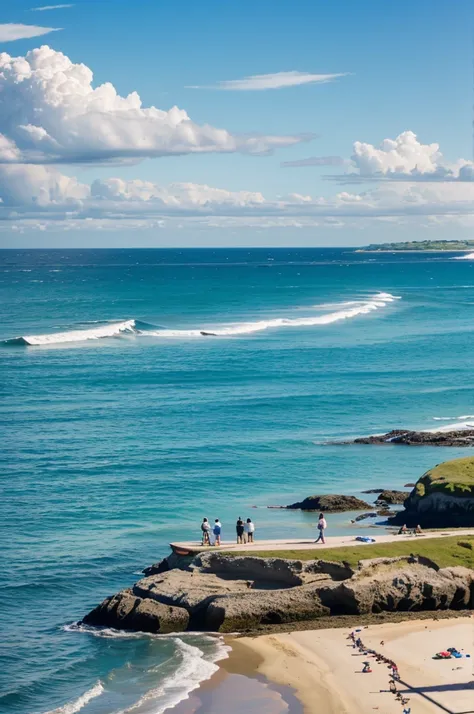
325 670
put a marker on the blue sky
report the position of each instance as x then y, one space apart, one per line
407 67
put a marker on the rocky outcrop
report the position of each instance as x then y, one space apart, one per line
392 497
235 613
126 611
461 437
443 497
330 503
221 593
411 587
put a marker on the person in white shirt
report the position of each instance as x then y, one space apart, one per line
322 525
249 530
217 530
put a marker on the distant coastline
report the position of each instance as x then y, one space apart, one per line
426 246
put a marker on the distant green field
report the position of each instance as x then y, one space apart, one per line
445 552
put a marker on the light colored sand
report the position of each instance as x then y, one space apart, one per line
331 541
325 669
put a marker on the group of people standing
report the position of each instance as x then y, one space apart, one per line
245 531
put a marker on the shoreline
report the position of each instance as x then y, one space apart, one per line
419 250
324 669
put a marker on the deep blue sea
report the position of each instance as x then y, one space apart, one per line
123 426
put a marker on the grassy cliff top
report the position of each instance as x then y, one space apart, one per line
446 552
454 477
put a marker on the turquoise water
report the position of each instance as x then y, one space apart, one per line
114 446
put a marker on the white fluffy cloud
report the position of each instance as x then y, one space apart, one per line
404 158
403 155
278 80
42 192
50 111
12 31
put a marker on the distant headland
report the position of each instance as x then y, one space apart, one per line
419 245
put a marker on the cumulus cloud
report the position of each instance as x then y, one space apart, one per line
258 82
52 7
31 192
316 161
404 158
11 31
50 112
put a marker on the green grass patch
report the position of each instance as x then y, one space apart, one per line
454 477
445 552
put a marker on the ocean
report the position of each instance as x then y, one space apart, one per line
123 425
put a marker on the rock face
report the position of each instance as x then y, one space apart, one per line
125 611
221 593
331 503
462 437
411 587
392 497
443 497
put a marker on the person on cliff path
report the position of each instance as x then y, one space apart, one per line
239 527
217 532
249 530
206 532
322 525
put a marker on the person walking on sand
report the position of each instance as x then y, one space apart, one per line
249 530
206 532
217 530
239 527
322 525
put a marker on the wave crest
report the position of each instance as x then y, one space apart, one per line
80 702
346 311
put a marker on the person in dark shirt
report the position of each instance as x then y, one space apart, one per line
239 527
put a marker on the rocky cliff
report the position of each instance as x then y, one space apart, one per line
221 593
443 497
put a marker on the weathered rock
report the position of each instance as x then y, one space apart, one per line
233 613
125 611
408 587
330 503
185 589
392 497
374 490
461 437
443 497
279 572
173 560
363 516
223 593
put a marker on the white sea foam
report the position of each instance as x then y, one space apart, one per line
468 256
109 330
80 703
192 670
457 426
364 307
346 311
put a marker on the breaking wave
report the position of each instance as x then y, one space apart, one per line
188 675
80 702
346 311
468 256
193 666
